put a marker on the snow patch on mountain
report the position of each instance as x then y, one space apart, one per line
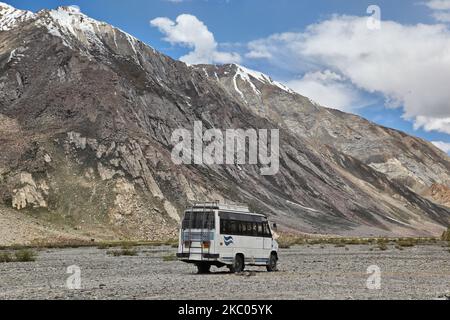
11 55
10 17
236 87
15 56
73 27
70 21
246 74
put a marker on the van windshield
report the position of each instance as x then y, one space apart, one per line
198 220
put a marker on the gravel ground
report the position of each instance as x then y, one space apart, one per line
315 272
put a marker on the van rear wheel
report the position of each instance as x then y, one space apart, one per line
238 264
203 268
272 266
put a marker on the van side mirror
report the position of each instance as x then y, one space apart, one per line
274 227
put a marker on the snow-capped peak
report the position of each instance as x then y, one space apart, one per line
72 9
255 74
5 6
73 26
75 29
70 14
10 16
71 19
246 74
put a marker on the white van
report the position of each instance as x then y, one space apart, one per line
214 234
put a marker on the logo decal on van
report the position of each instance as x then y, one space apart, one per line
228 240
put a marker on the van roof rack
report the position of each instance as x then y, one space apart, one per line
222 206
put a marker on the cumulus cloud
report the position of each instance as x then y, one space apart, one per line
408 64
433 124
328 89
444 146
189 31
440 9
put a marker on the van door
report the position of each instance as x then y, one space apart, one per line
267 240
259 244
254 245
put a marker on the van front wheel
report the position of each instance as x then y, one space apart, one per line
272 266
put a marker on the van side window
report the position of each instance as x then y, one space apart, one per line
241 228
254 229
267 233
249 229
233 227
224 226
242 225
260 230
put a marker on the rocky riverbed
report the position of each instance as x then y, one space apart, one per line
305 272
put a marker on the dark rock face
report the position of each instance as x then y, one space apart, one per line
86 118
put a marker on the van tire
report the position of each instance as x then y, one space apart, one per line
272 265
238 264
203 268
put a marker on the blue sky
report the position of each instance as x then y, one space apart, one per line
393 76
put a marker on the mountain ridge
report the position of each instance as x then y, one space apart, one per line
88 112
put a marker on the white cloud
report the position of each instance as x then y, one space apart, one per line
408 64
258 51
438 4
433 124
440 9
328 89
442 16
444 146
188 31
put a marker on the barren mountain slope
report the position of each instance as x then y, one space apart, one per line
403 158
86 118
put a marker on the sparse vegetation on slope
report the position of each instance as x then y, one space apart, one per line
169 258
123 252
5 257
446 235
24 255
286 241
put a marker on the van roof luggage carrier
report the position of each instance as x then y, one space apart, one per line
216 205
